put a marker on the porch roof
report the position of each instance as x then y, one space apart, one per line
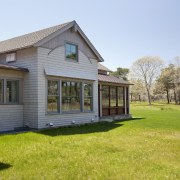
10 67
112 79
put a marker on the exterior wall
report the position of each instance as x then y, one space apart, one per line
85 68
74 37
27 58
11 116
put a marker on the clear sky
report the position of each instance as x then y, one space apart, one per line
121 30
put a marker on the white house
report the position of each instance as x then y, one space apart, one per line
53 77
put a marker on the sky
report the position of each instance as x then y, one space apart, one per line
121 30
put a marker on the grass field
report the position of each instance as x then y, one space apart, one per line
146 147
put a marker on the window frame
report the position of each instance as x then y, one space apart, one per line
58 97
9 56
81 96
84 97
2 80
19 91
77 56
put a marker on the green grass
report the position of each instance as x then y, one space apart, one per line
147 147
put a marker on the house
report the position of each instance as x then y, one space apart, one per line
53 77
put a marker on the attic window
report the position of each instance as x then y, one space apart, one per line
11 57
71 51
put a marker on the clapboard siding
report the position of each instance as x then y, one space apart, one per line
74 37
11 116
26 58
85 68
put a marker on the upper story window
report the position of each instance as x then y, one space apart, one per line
11 57
71 51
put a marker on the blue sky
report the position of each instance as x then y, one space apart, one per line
121 30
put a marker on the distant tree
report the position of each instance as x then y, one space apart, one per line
121 73
137 91
164 82
147 69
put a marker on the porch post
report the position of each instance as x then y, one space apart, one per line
128 99
125 100
100 100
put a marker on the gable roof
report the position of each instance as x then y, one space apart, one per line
103 68
37 38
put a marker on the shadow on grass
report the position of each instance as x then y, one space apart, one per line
82 129
131 119
4 166
85 129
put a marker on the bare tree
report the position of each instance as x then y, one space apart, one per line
147 69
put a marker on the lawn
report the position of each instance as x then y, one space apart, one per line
146 147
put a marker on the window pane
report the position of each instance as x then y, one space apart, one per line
66 88
70 103
53 96
71 51
87 89
70 96
120 96
53 88
1 91
12 91
113 96
105 96
88 100
88 103
52 103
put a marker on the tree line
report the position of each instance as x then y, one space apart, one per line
152 79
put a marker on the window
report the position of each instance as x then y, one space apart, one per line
11 57
105 96
1 91
88 97
71 96
71 51
113 96
120 96
12 91
53 96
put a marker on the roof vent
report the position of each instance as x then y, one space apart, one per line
11 57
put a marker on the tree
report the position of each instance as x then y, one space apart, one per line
147 69
137 90
121 73
165 80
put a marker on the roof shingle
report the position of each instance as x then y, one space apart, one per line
28 40
112 79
